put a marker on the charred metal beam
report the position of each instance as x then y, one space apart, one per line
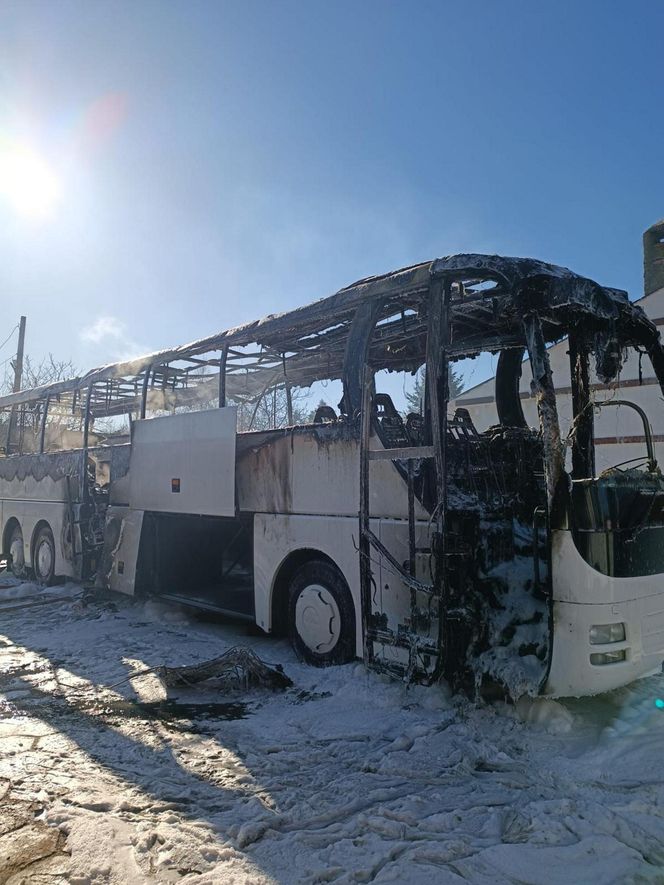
144 390
223 361
438 342
546 403
358 390
289 398
408 579
86 418
508 399
42 430
357 349
436 368
583 449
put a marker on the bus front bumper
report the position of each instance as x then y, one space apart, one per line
580 667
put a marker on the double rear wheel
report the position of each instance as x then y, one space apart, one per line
43 554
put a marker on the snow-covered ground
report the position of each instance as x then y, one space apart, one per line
347 777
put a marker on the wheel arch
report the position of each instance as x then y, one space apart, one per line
290 564
7 531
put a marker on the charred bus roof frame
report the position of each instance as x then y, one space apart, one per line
314 341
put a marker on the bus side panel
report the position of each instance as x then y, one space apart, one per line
31 501
55 514
184 463
119 559
310 470
276 536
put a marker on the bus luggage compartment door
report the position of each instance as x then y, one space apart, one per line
184 463
119 558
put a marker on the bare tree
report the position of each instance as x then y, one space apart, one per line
47 371
37 373
270 410
27 418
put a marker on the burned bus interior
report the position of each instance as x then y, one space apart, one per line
472 587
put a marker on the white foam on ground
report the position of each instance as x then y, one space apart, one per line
348 777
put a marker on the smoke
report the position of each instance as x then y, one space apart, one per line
104 328
111 336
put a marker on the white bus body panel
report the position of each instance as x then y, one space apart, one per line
29 514
32 500
277 536
309 472
184 463
584 597
122 536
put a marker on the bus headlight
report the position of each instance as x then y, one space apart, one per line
608 657
603 634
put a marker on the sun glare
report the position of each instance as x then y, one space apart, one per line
28 183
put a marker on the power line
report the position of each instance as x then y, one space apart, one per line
9 336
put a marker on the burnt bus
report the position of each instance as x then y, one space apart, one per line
414 541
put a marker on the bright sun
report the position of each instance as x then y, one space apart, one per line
28 183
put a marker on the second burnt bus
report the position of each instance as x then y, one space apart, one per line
412 541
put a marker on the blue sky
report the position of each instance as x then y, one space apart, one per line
217 161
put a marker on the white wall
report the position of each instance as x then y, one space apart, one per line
614 422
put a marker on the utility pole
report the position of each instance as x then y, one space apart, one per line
17 365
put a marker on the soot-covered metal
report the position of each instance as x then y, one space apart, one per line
477 571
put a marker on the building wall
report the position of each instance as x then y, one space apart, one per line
618 431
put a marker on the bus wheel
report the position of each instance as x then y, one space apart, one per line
43 556
321 615
17 552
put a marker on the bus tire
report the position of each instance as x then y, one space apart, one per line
43 556
321 615
17 551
